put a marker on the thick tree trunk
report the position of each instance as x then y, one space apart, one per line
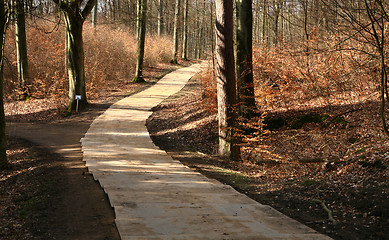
226 82
3 138
74 20
175 32
160 18
21 49
244 58
141 41
75 54
185 32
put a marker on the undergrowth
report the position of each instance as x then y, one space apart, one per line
307 91
110 56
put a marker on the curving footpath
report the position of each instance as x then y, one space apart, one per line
156 197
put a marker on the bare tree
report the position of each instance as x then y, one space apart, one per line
160 17
244 58
185 32
75 17
141 40
369 21
226 82
379 20
277 7
21 49
175 32
3 138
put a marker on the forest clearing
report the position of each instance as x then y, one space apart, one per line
291 110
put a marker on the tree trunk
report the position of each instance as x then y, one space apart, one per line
94 16
74 19
75 61
244 58
3 138
275 23
21 49
264 18
138 13
175 32
160 18
141 41
212 36
185 32
226 82
197 32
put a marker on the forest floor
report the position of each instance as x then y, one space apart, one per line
48 196
355 188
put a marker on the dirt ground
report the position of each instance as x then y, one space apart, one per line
48 193
354 190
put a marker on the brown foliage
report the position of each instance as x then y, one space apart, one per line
314 77
110 56
311 74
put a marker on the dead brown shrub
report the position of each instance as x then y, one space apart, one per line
110 56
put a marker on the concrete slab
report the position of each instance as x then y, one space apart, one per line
156 197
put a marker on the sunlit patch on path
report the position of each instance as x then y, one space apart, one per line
156 197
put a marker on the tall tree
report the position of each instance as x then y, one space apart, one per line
369 22
278 4
3 138
160 17
226 81
175 32
264 20
244 58
75 17
21 49
185 32
138 13
379 19
141 40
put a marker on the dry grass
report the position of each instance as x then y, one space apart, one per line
110 58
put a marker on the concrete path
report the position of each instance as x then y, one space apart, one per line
156 197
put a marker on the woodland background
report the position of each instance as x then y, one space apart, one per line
320 90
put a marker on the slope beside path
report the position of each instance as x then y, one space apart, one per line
156 197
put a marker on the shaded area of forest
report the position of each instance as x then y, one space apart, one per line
285 169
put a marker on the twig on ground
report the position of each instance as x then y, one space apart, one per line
326 209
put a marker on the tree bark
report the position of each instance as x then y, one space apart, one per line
74 19
175 32
138 13
94 16
21 49
75 53
244 58
379 37
160 18
226 82
185 32
264 18
277 10
3 138
141 41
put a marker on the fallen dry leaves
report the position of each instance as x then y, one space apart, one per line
343 163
